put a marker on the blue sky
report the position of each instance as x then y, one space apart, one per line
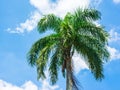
18 20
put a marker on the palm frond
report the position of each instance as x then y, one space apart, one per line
94 52
92 14
49 22
94 43
54 67
98 32
32 55
42 61
87 14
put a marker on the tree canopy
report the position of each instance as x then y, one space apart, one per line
76 32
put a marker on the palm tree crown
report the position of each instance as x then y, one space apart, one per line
77 32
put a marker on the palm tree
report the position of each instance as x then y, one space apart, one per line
77 32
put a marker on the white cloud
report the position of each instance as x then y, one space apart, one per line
28 25
78 63
114 39
116 1
11 31
8 86
47 86
114 36
45 83
29 85
114 53
59 8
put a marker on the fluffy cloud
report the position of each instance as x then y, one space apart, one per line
45 83
78 63
29 85
8 86
114 36
47 86
59 8
28 25
116 1
114 53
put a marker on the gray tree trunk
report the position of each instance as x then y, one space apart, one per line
69 83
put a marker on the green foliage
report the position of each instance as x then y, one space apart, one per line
76 32
49 22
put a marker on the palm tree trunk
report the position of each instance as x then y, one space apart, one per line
69 83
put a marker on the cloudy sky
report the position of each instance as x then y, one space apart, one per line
18 20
